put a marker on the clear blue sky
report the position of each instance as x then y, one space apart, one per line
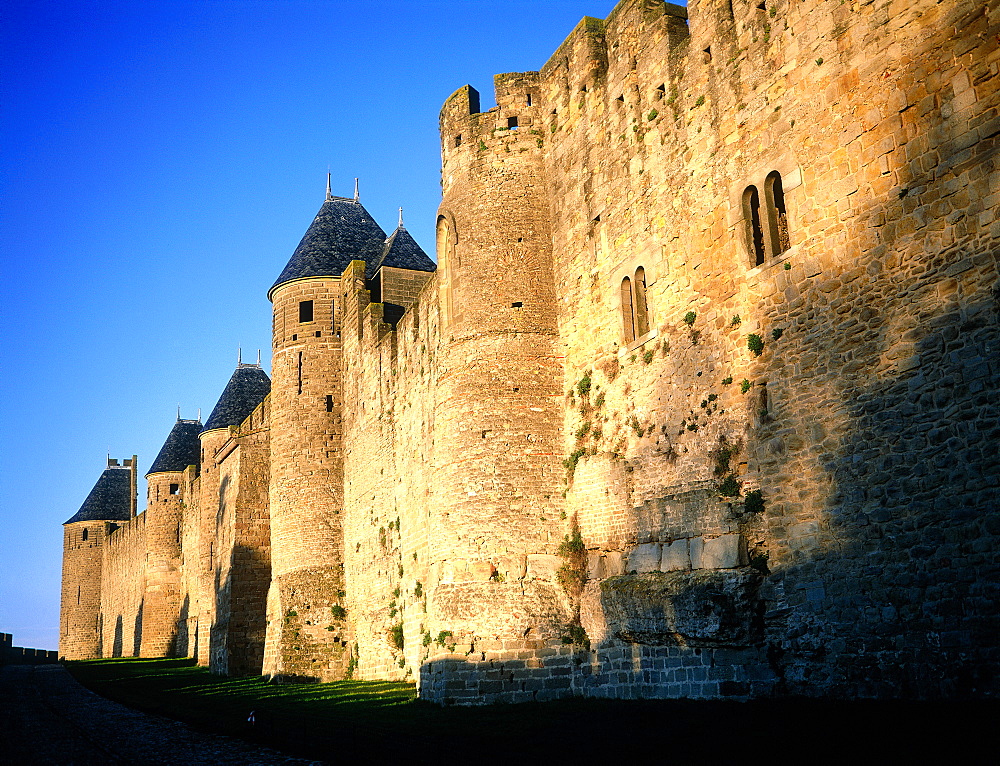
160 162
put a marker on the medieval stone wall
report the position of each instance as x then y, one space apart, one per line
701 401
123 590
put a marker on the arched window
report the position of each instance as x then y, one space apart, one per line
754 231
777 218
635 312
628 316
639 303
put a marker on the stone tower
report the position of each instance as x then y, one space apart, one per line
496 521
306 486
234 545
163 614
112 500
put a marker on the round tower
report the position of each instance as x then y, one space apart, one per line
495 524
163 614
306 485
111 501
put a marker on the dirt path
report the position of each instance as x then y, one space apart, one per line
46 717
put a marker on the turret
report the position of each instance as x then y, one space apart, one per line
306 486
167 492
110 502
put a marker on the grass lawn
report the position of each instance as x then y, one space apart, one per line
379 721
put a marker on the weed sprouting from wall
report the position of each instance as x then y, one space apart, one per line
572 574
396 635
754 502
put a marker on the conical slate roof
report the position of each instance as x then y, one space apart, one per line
110 499
401 251
245 390
343 231
181 448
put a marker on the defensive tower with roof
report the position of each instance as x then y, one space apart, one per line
110 502
167 492
306 486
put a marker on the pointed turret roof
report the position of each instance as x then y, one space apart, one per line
401 251
342 231
181 448
110 499
245 390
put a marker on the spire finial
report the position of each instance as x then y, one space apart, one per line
178 413
258 357
199 414
239 355
356 196
329 191
401 218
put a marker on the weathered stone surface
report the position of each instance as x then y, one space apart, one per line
543 566
694 608
723 552
644 558
675 557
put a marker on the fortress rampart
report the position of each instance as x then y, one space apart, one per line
699 400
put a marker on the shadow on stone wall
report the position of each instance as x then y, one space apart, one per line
238 630
137 633
890 592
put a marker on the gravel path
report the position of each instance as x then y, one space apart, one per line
46 717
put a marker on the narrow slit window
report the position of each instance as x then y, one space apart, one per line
527 99
458 140
628 322
86 534
639 303
77 594
754 232
777 217
329 403
300 372
305 311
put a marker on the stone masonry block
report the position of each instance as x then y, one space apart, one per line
543 566
723 552
674 556
644 558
